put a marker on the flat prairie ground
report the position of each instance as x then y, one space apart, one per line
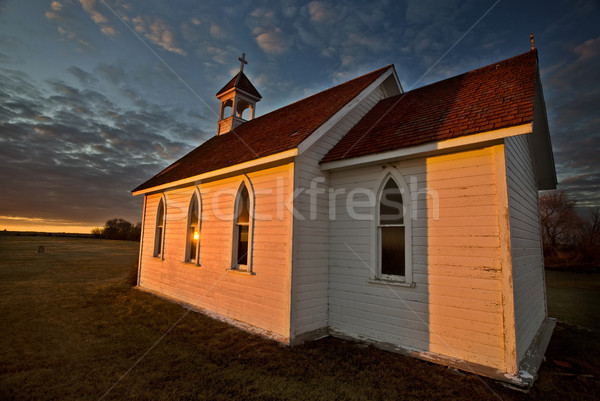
72 328
574 297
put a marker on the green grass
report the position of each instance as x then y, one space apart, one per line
573 297
72 327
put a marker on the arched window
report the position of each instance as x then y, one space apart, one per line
193 231
242 231
159 234
393 230
242 106
226 108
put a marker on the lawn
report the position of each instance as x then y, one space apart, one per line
72 328
574 297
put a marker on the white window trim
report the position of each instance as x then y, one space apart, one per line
234 265
160 255
196 259
376 275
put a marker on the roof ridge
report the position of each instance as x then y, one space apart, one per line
340 84
473 71
323 91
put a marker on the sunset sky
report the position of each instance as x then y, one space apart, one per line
98 96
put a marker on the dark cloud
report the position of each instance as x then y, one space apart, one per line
584 188
16 84
111 73
22 109
85 78
580 69
574 121
73 154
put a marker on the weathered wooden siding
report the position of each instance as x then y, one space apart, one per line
311 227
526 247
455 308
261 300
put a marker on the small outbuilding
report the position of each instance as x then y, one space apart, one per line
408 220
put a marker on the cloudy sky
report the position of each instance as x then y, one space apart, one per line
98 96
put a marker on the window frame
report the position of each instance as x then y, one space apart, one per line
188 239
159 236
376 242
248 268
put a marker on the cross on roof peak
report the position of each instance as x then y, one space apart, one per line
242 61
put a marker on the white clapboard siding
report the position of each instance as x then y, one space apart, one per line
526 247
311 228
455 308
261 300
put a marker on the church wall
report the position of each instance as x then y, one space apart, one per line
260 300
455 308
311 227
526 246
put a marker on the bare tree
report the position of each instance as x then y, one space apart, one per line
118 229
589 242
97 232
560 221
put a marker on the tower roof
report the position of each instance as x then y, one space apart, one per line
240 81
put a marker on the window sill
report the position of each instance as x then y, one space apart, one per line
241 272
194 264
392 283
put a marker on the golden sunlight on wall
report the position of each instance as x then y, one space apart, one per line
261 299
465 297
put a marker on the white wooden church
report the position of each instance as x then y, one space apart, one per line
408 220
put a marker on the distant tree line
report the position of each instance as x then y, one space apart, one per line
569 239
119 229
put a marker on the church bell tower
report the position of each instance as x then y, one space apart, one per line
236 98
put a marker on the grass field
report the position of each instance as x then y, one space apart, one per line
574 297
72 327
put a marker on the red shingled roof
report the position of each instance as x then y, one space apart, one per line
242 82
275 132
498 96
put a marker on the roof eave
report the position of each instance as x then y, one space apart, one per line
431 148
277 158
540 142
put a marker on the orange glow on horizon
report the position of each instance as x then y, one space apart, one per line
9 223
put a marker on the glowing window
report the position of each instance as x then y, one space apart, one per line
193 231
